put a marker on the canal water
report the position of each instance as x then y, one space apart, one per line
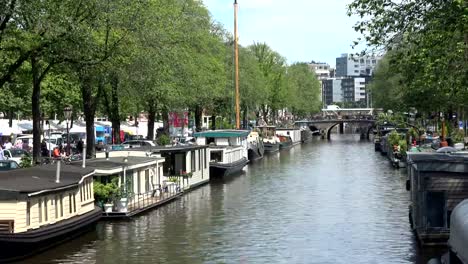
322 202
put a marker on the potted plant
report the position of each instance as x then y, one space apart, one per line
104 194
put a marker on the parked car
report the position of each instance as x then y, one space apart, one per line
138 143
8 165
15 154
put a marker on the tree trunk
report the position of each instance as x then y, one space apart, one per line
36 110
198 118
10 118
213 122
151 119
89 111
165 118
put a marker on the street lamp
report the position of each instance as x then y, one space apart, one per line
67 112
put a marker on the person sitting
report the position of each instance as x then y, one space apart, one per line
56 152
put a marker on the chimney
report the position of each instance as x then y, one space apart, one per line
57 174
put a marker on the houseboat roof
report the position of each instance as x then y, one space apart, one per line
116 164
177 148
284 128
40 179
459 230
222 133
429 161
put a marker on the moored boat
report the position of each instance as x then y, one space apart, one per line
256 148
437 183
228 150
41 207
285 142
270 140
294 135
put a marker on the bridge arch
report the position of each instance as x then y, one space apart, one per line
329 129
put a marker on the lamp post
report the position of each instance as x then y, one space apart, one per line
67 112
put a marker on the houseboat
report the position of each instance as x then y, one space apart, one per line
293 133
188 164
133 184
270 140
41 207
256 149
227 150
285 142
437 183
458 241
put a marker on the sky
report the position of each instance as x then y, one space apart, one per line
300 30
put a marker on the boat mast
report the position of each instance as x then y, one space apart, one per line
236 62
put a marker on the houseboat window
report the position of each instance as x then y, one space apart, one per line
40 210
435 209
199 159
81 191
88 189
28 213
61 205
46 212
138 182
74 203
206 161
56 206
192 156
147 181
216 156
70 203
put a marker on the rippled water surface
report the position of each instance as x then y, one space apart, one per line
322 202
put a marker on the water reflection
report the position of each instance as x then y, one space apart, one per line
323 202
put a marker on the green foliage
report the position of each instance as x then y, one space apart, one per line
403 146
458 135
163 140
105 193
304 90
394 138
26 161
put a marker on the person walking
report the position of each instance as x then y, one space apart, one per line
8 144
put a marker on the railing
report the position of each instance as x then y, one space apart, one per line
142 200
7 226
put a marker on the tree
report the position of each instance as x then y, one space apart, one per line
303 90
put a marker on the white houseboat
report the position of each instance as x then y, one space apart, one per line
43 206
271 142
136 184
189 164
227 148
293 133
256 148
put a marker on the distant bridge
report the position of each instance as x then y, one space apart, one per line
366 123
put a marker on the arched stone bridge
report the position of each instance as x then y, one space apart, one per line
326 125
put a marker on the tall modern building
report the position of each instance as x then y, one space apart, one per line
321 69
353 65
345 89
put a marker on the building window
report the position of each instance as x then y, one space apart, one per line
199 159
147 181
356 71
70 203
56 206
192 156
74 203
61 205
46 217
206 160
374 61
28 213
40 210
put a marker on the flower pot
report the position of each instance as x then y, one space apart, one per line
108 207
122 205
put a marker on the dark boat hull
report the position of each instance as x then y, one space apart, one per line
256 152
218 170
270 148
18 246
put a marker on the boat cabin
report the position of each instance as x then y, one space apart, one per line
225 146
458 240
136 183
189 164
293 133
437 183
42 206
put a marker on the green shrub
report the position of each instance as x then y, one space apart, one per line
163 140
403 146
458 135
394 138
104 193
26 161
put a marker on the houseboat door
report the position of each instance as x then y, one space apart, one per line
435 209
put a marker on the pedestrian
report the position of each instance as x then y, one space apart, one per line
44 150
80 145
2 157
56 152
8 144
